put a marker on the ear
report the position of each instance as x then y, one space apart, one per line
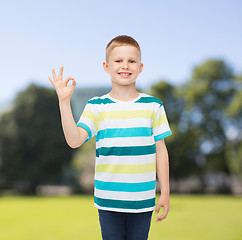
105 67
141 67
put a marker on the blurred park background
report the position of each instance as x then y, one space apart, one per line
192 61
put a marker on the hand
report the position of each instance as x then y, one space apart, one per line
162 203
63 91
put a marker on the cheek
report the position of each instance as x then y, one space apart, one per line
112 67
137 70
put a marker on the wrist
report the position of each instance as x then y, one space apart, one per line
165 192
64 105
64 102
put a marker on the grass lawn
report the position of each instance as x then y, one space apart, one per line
194 217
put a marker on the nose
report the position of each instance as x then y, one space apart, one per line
125 65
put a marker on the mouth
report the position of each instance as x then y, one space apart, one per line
124 74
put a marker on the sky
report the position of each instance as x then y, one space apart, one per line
174 36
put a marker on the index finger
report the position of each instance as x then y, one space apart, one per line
54 75
163 215
60 73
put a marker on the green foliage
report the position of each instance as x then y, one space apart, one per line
201 113
84 154
233 157
181 145
84 162
32 146
209 95
234 109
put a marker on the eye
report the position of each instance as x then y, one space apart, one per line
118 61
132 61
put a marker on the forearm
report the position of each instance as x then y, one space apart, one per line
70 129
162 166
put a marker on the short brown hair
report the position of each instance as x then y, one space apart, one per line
121 40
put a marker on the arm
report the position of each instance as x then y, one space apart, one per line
162 166
75 136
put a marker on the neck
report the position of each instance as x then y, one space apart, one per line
124 93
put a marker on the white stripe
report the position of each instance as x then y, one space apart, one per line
89 123
127 107
125 141
126 160
126 178
125 210
90 107
161 129
128 196
160 111
125 123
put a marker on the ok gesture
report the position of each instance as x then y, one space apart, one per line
63 91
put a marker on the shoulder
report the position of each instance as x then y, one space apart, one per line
146 98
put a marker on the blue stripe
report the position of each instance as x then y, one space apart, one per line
163 135
124 132
124 204
149 100
127 151
125 187
100 101
83 125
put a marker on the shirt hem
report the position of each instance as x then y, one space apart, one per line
162 136
125 210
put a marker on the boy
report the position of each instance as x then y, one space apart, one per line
129 128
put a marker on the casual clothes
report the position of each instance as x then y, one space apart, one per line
125 132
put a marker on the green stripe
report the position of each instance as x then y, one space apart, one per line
97 152
127 151
141 100
110 203
149 100
100 101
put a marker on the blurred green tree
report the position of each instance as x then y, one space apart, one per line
181 144
234 130
213 104
206 119
33 150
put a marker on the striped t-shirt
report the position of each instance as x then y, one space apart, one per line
125 132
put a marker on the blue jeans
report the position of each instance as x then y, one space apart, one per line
124 226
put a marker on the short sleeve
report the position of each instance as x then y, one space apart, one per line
89 120
160 125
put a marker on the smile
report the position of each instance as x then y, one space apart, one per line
123 74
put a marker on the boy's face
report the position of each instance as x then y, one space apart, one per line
123 65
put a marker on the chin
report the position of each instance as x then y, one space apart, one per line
123 83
